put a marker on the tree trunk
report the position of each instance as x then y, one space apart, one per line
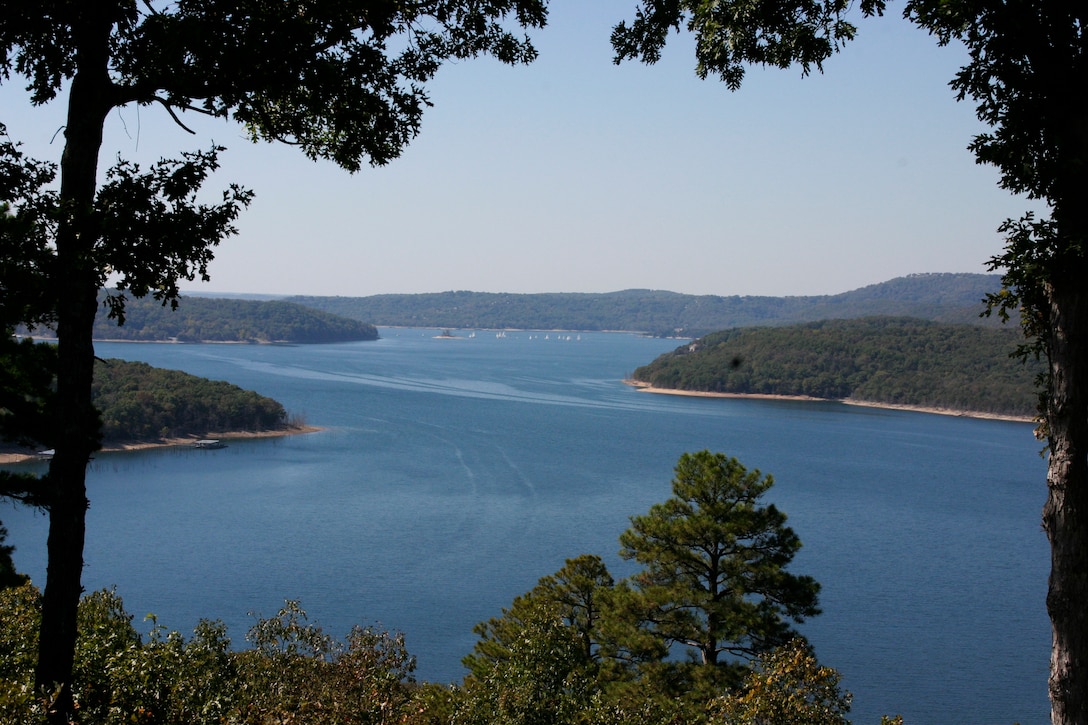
77 421
1065 515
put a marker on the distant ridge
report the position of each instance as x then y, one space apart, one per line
942 297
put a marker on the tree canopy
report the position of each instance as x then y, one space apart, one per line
292 669
559 654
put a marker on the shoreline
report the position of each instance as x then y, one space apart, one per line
648 388
7 458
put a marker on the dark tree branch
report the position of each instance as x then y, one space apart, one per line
26 488
174 116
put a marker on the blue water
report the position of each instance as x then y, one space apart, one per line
451 474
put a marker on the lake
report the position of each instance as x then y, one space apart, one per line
451 474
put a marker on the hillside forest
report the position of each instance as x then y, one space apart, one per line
954 298
882 360
139 402
198 319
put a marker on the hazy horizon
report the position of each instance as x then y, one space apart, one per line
573 174
258 294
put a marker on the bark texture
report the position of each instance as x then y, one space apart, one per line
77 421
1065 515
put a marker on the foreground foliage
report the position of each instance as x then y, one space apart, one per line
714 576
293 672
787 685
898 361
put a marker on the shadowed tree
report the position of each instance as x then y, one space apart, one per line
714 577
342 81
8 576
1026 72
572 596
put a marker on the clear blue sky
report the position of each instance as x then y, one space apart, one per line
575 175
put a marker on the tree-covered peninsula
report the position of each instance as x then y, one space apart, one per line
200 319
141 403
881 360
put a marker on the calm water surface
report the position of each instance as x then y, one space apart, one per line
452 474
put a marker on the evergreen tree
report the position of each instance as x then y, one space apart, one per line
572 596
714 579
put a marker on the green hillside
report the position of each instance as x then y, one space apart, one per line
230 320
139 402
898 361
941 297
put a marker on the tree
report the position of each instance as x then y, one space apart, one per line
1028 61
8 576
714 577
580 648
538 662
573 596
788 685
342 81
296 672
541 677
293 673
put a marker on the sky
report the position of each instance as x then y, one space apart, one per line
573 174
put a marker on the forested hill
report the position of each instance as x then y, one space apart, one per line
941 297
230 320
897 361
139 402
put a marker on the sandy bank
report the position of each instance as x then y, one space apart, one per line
186 441
647 388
